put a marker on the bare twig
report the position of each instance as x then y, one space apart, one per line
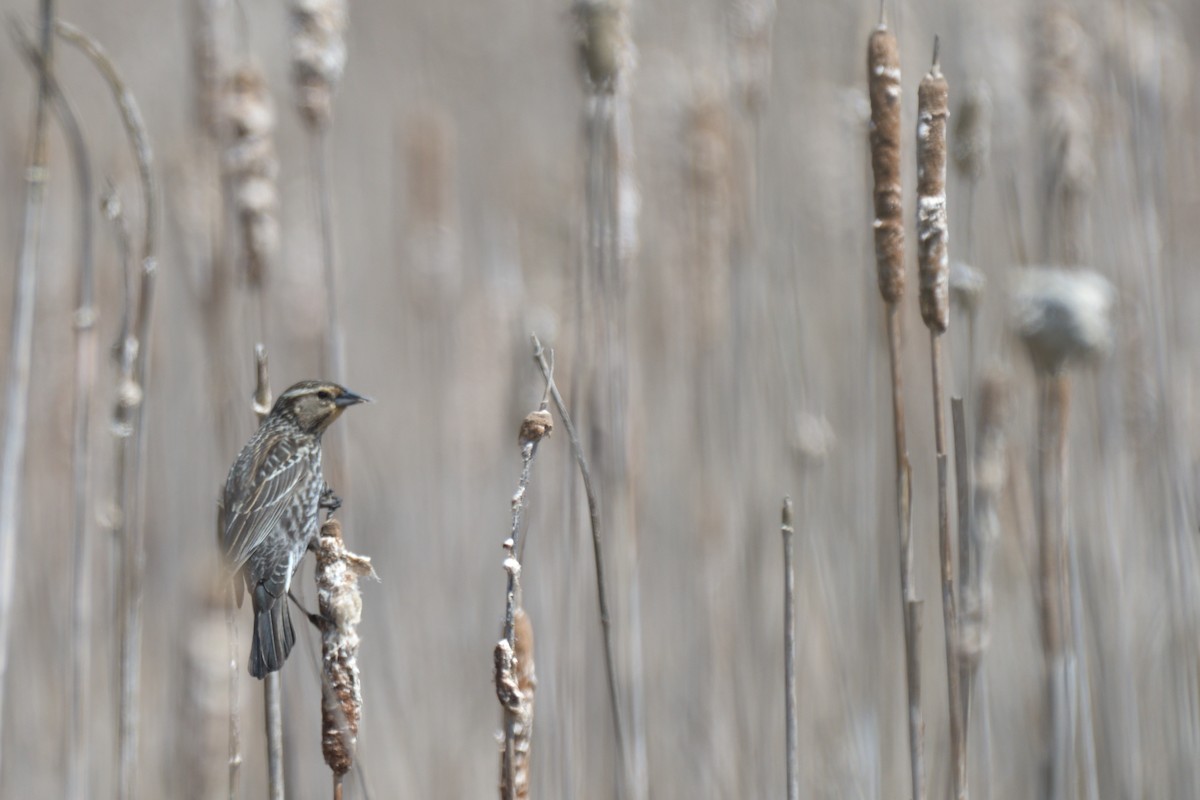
585 473
20 359
789 650
85 372
518 709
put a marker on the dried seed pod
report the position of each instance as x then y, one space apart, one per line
1063 316
932 231
340 606
536 426
883 80
251 166
318 56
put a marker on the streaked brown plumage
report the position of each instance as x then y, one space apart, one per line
268 511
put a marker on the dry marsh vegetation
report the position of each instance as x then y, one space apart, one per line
726 321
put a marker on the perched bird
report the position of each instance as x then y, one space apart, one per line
268 511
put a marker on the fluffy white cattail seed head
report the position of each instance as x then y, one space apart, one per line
1063 316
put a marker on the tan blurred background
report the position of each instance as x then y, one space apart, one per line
757 368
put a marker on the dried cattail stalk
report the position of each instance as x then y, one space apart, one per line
932 232
605 48
750 25
883 80
516 682
1063 316
318 56
972 144
251 167
340 611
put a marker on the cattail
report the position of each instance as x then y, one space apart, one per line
432 236
973 132
251 166
1064 106
966 286
750 25
710 169
1063 316
524 679
318 56
932 232
206 66
990 472
340 604
605 47
883 76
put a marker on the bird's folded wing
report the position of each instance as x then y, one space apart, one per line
256 498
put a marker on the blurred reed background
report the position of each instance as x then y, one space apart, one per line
683 215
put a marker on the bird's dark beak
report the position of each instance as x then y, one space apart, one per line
348 398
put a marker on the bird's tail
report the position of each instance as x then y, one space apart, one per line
273 636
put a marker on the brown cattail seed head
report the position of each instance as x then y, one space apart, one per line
536 426
251 166
527 684
883 80
318 56
1063 316
340 606
605 50
973 133
932 231
750 23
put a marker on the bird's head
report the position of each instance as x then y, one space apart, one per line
314 405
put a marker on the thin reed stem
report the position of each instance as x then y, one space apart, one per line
962 488
789 650
85 376
585 474
272 683
20 359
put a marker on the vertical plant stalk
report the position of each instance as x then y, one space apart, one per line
883 80
962 487
593 502
20 358
130 412
934 272
1054 407
84 322
789 650
272 684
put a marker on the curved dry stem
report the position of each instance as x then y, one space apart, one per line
130 407
85 375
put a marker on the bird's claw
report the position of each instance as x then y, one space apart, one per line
330 502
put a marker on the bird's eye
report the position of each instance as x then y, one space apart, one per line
324 395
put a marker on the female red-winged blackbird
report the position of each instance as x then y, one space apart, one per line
268 513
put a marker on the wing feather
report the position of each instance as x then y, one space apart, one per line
258 490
